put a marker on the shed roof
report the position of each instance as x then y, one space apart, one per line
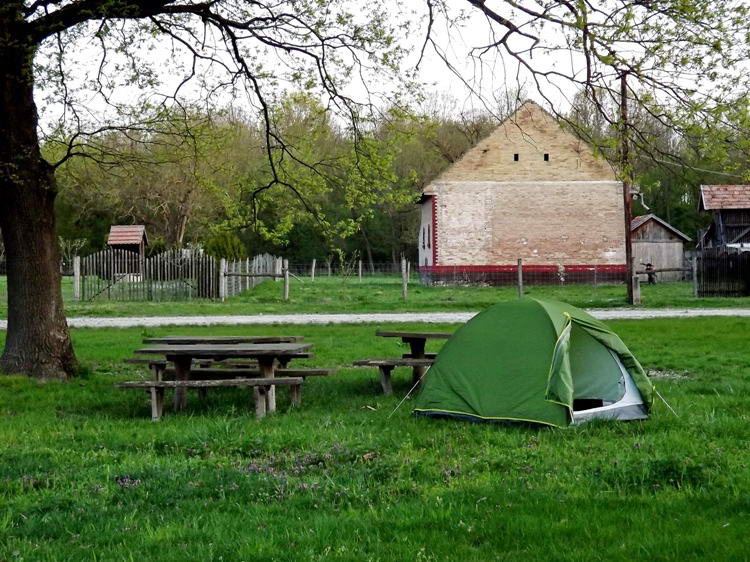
638 222
715 197
127 234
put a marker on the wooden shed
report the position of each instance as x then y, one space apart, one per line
131 238
731 207
657 242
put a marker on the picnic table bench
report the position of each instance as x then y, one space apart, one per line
186 340
203 362
228 363
261 387
417 342
183 355
385 366
417 358
208 373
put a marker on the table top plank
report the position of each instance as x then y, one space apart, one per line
413 335
199 351
190 340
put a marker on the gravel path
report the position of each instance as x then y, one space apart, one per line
374 318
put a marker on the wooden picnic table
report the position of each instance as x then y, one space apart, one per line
189 340
417 342
182 356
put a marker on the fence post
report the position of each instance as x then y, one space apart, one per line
519 275
247 276
329 267
76 278
285 265
636 289
404 279
312 270
695 275
360 271
223 279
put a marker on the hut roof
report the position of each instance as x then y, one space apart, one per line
638 222
716 197
127 234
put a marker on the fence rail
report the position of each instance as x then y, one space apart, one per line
242 275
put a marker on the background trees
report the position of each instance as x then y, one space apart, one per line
351 197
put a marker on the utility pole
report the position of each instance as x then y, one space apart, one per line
626 181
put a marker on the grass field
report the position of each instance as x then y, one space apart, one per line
85 475
383 294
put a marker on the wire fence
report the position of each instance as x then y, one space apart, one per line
179 275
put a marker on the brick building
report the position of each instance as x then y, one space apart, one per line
530 190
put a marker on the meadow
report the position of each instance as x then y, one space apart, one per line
383 294
85 474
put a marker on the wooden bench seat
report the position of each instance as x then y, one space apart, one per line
426 356
260 387
385 366
202 373
229 363
200 362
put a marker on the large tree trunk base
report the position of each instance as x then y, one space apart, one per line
43 368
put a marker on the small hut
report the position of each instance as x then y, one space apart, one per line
128 244
657 242
131 238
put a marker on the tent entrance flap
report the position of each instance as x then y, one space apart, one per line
629 407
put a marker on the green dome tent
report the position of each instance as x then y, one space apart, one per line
536 361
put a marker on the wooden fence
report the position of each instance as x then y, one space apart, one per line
173 275
239 276
723 272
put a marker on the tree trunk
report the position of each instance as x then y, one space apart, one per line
38 342
368 249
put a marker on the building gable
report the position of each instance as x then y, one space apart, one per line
530 190
529 145
651 227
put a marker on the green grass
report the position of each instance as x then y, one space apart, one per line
383 294
85 475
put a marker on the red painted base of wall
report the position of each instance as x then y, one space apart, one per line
532 274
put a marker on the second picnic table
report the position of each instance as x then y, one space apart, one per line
417 342
182 356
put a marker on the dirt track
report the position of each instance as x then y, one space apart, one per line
374 318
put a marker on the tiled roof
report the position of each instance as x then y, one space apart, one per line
126 234
715 197
637 222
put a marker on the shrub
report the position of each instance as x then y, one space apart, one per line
227 245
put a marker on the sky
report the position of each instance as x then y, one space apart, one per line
445 71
